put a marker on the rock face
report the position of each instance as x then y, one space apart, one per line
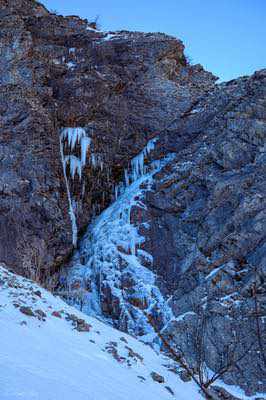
196 271
201 214
207 217
58 72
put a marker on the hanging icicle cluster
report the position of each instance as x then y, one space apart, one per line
137 168
69 139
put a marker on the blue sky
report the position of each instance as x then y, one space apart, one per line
228 37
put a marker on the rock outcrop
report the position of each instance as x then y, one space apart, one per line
66 87
200 222
58 72
207 216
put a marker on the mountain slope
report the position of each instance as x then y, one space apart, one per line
184 248
51 355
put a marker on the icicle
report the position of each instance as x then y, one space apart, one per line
85 144
73 136
93 160
116 192
83 190
126 177
151 145
138 168
75 165
133 245
71 210
96 160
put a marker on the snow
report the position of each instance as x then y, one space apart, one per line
110 36
214 272
183 316
236 390
89 28
48 359
197 110
71 65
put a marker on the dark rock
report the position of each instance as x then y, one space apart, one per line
41 314
170 390
185 376
221 394
27 311
71 317
133 354
56 314
82 326
123 91
157 377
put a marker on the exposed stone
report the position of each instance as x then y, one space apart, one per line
83 326
122 91
185 376
27 311
157 377
41 314
56 314
169 390
133 354
221 394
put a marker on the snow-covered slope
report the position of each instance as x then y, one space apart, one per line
60 353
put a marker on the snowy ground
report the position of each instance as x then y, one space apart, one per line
60 353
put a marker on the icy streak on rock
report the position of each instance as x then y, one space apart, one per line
71 137
71 209
85 144
137 164
111 239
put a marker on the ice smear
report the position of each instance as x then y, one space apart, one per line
112 250
137 164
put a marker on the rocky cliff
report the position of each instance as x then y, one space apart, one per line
59 72
121 122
